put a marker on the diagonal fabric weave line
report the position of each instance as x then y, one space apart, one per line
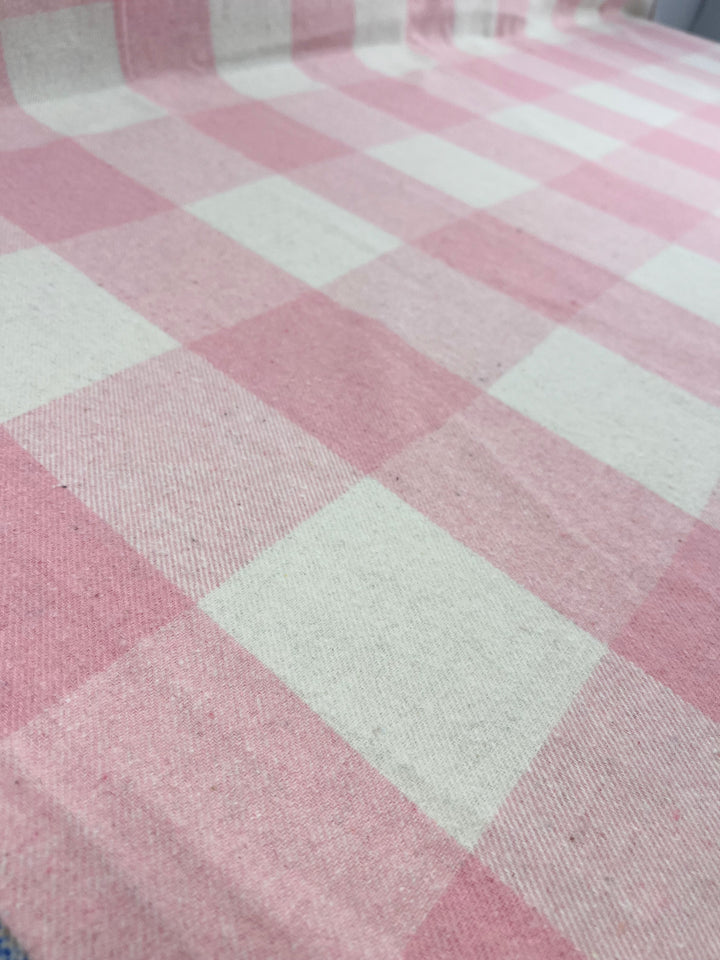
359 481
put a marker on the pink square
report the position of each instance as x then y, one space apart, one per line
657 335
447 83
698 130
333 113
569 59
513 83
74 595
612 833
615 43
430 24
191 762
63 868
20 131
675 635
704 238
333 67
710 112
686 153
628 200
693 72
577 228
251 478
60 190
528 155
670 185
266 136
409 103
386 197
163 36
537 274
181 274
342 376
653 91
510 19
483 332
589 541
599 118
322 25
584 45
184 92
553 73
173 159
479 918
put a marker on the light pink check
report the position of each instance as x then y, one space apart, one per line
360 481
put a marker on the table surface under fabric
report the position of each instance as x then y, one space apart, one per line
359 482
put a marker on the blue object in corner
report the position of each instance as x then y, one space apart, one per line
9 947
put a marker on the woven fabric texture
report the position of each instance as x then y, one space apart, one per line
359 481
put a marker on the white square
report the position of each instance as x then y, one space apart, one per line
95 112
679 82
687 279
345 119
637 422
665 176
295 229
394 59
538 25
544 125
436 666
629 104
380 21
250 29
265 81
702 62
474 180
61 53
474 35
588 17
60 331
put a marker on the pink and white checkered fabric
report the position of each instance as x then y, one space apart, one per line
360 481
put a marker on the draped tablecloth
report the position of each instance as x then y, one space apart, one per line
360 481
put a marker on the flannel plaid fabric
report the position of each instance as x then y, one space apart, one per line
360 398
